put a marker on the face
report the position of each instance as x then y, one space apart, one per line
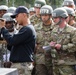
2 12
2 22
9 24
32 13
21 18
56 19
37 10
68 18
45 17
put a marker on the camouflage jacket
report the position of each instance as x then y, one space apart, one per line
43 34
43 39
35 20
67 39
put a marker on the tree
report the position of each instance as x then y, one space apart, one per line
55 3
30 2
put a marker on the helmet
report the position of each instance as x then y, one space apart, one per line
7 17
69 3
46 9
11 9
3 7
59 12
70 11
39 3
32 9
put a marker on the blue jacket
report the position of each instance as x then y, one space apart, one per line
23 44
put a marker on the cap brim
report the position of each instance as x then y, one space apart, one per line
2 19
14 15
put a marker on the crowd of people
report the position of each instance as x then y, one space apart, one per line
40 40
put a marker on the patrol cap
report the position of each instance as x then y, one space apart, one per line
20 9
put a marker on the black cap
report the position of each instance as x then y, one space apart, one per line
20 9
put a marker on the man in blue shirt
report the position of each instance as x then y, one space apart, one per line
23 43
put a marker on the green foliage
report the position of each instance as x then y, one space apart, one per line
30 3
19 2
2 2
56 3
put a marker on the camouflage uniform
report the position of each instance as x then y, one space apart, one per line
64 60
35 20
23 68
2 45
43 61
37 4
71 16
2 51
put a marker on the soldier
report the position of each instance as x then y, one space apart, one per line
12 10
10 23
3 10
69 3
32 11
71 16
36 18
43 29
23 43
63 43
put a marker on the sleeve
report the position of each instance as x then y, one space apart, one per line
71 46
16 39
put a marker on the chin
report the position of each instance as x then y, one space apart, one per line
20 24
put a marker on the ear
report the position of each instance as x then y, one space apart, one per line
24 14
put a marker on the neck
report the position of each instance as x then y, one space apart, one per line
49 22
38 15
25 23
62 25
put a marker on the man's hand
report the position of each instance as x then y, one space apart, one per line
52 44
2 23
58 46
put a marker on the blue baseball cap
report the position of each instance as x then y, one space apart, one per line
20 9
